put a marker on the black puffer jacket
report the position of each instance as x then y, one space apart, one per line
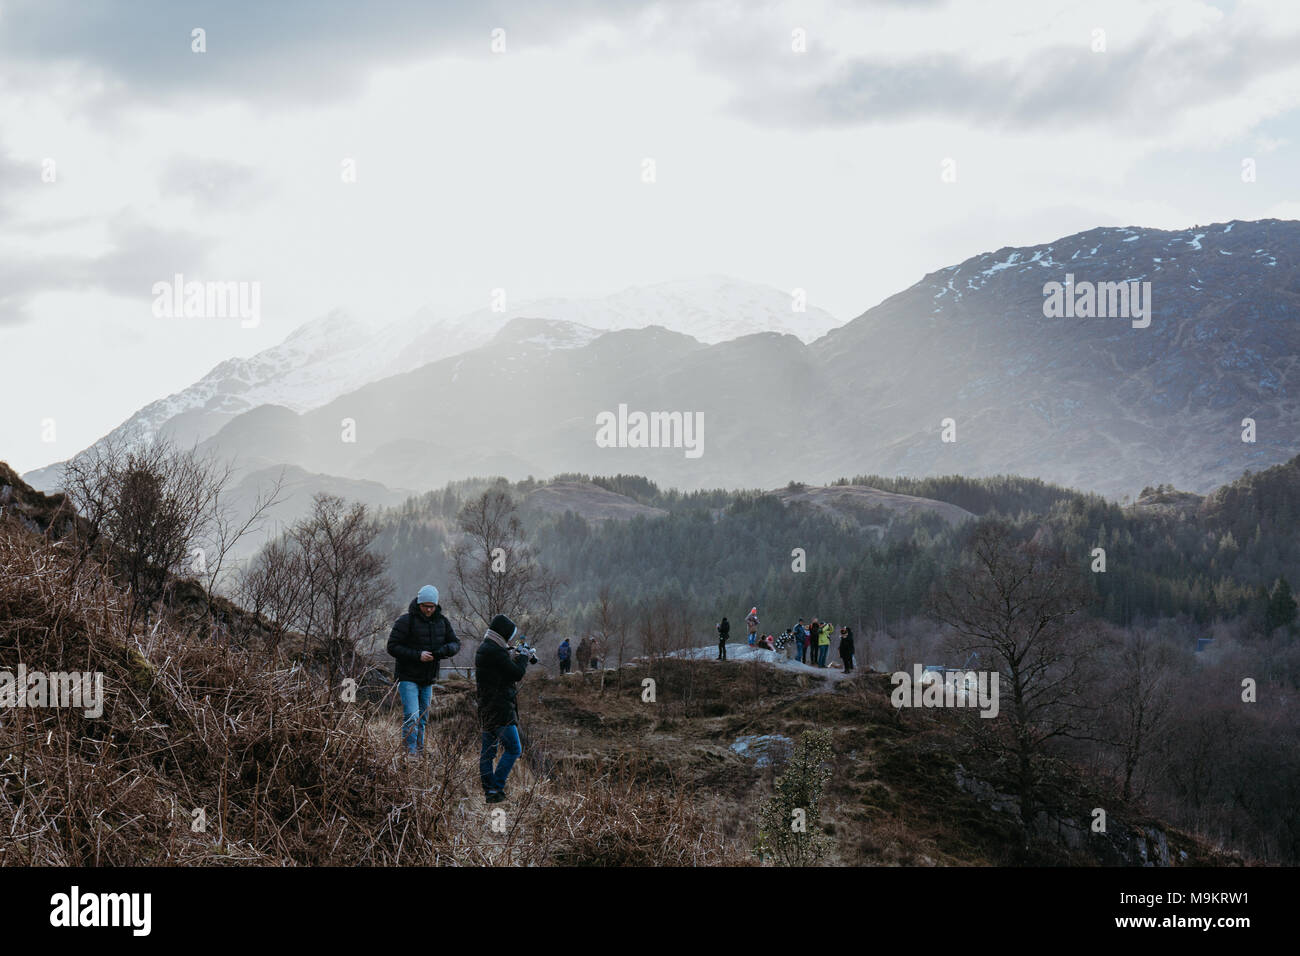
413 633
497 671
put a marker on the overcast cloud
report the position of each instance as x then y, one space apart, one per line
522 169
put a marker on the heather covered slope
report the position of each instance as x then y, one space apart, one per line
210 754
283 772
900 793
286 771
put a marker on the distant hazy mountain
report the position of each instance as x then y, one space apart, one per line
297 490
710 309
336 354
1087 402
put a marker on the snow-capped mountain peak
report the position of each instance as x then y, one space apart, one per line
336 353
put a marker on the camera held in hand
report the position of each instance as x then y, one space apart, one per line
523 647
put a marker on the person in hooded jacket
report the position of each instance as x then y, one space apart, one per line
419 640
498 668
846 648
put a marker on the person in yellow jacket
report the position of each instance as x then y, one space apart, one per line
823 645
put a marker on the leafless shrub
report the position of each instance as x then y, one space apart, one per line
495 572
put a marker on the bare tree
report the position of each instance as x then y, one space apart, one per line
1014 605
656 634
148 506
273 587
494 571
344 582
89 482
228 526
610 625
1141 701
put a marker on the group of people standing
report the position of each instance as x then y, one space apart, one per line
589 653
812 643
809 643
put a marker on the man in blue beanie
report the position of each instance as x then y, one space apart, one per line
419 639
498 668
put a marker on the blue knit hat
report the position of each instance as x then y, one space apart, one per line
428 595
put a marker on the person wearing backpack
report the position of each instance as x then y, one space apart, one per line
751 622
419 639
564 654
724 633
497 669
846 648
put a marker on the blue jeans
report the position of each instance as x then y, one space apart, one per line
821 654
415 711
508 737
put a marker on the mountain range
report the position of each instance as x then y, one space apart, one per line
338 353
967 353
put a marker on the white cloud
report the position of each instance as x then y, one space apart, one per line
523 170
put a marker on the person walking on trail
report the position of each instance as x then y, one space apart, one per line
724 633
846 648
419 640
498 668
751 622
564 654
824 645
583 654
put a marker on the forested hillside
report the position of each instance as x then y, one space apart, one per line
720 552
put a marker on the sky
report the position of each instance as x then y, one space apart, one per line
846 149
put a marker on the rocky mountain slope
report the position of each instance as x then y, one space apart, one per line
1094 403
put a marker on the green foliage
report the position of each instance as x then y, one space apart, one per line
790 830
1281 606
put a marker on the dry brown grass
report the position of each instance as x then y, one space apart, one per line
284 772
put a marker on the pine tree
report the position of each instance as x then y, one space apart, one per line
1281 605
